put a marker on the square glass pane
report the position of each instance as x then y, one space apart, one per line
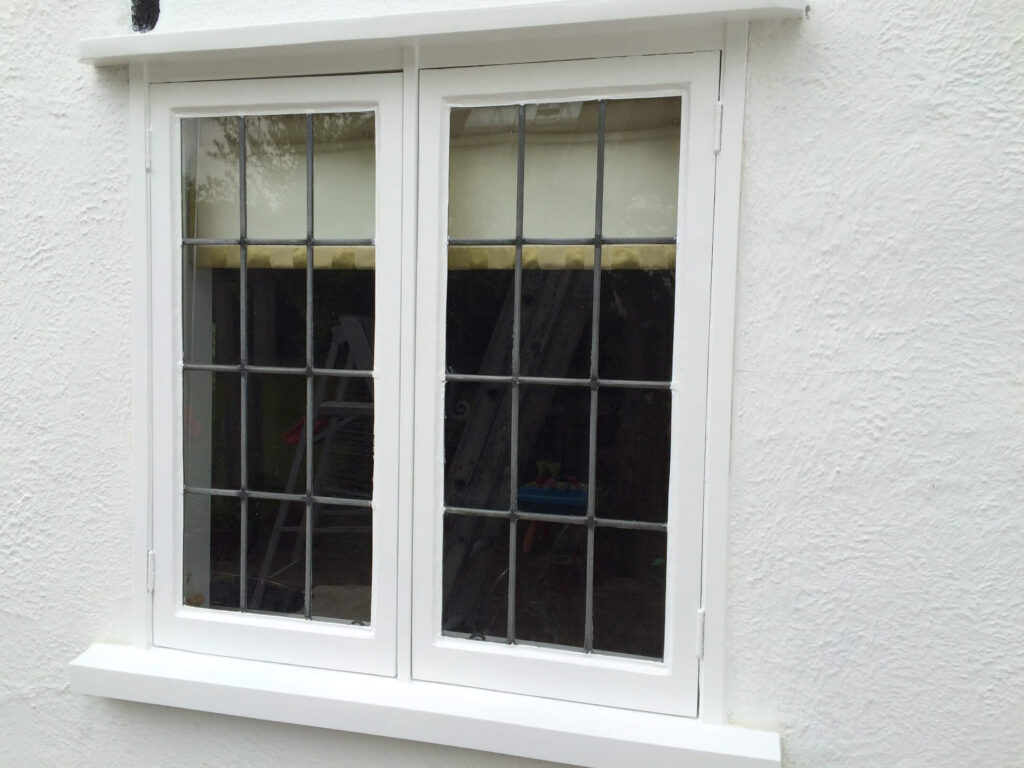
637 312
276 562
276 447
209 304
557 311
342 562
480 311
641 167
629 591
554 449
344 176
209 176
477 444
277 305
633 448
343 307
343 437
560 183
551 575
475 577
211 439
210 553
275 176
482 156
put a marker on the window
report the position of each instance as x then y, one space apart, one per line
563 279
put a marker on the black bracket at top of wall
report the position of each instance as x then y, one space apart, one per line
144 14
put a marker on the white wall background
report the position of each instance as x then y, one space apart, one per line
877 526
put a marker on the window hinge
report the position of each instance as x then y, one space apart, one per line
718 127
150 570
700 633
149 149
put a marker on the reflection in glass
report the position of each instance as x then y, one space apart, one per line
343 437
275 176
475 576
210 429
561 170
209 305
554 449
343 307
209 176
276 454
277 305
633 446
210 553
629 591
479 311
482 172
342 562
557 312
641 166
344 176
477 445
276 560
551 570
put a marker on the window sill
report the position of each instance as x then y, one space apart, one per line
545 729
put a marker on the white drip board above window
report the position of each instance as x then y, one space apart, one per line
397 30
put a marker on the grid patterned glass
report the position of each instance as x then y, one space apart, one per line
278 317
558 373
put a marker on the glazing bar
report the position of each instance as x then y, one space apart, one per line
563 241
275 241
213 492
335 501
477 512
308 427
275 496
557 382
243 429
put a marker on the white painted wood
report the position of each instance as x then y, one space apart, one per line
544 729
720 372
368 33
274 638
670 686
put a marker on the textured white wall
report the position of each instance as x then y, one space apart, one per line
877 524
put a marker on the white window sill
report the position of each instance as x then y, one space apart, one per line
545 729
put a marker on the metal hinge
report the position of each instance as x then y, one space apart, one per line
149 149
700 633
718 127
150 570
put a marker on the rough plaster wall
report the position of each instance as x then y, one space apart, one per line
876 531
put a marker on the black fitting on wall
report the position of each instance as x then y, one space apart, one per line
144 14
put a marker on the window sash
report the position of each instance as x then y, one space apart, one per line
285 639
670 685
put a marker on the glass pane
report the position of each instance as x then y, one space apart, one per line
276 416
554 449
275 176
637 312
343 437
344 176
641 167
210 555
629 591
276 561
477 444
482 154
277 305
633 446
342 561
561 170
343 307
209 304
480 309
210 429
557 311
209 175
475 577
551 572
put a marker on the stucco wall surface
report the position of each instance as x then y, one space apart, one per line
876 611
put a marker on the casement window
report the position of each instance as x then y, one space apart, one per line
436 386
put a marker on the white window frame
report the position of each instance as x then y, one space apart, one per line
402 706
283 639
664 686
